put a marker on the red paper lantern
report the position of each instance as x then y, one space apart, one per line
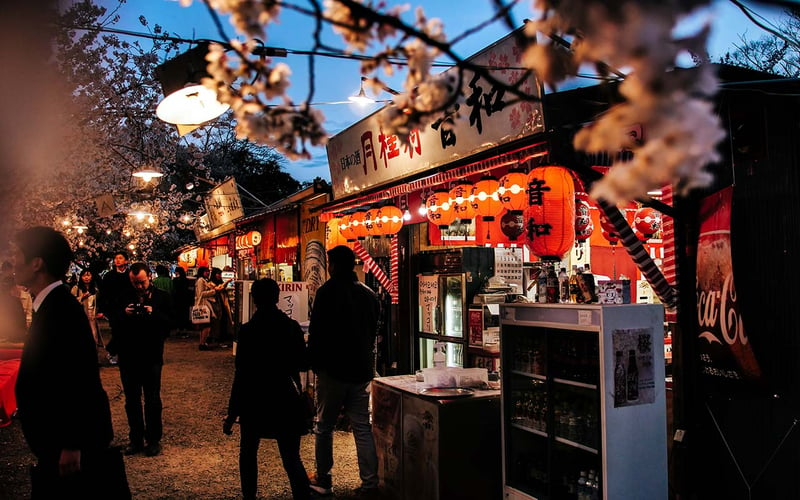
550 217
440 210
512 190
512 224
582 216
647 221
460 199
389 220
583 234
612 237
333 234
358 224
485 199
370 217
346 227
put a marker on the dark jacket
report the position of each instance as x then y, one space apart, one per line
113 295
342 330
61 400
139 338
270 349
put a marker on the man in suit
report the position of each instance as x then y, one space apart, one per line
139 339
62 406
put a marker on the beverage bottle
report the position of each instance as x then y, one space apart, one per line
590 480
541 286
588 277
581 489
563 285
620 381
633 376
552 285
439 358
594 492
574 290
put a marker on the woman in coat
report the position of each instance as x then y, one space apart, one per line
205 293
264 396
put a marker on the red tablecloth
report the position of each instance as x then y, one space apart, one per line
8 400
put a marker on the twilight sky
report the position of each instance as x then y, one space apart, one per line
336 79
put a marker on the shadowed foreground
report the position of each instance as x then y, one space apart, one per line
197 461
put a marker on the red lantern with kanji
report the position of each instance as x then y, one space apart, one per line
583 234
389 220
485 199
512 191
346 227
370 217
647 221
461 203
512 224
439 209
358 224
550 217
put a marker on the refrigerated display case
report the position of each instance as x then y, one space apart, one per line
446 285
583 401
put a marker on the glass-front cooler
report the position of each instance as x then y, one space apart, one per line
442 320
583 401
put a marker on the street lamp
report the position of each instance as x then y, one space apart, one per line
147 174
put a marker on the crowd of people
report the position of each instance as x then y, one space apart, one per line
59 366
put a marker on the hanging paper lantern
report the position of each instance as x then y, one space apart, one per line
389 220
346 227
370 217
512 190
647 221
612 237
440 209
582 235
550 216
462 205
485 199
333 234
358 224
512 224
608 230
582 215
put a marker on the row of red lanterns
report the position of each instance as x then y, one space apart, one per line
379 221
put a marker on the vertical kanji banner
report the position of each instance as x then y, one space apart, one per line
726 355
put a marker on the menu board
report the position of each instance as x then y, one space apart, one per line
428 302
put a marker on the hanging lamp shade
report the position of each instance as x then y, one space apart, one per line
389 220
512 190
439 209
346 227
358 224
187 101
550 216
647 221
512 224
485 199
462 204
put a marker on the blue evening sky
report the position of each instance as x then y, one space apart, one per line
336 79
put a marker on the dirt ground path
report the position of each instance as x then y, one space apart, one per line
198 461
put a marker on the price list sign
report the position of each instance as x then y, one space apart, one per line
428 300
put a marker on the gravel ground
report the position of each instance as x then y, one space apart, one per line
198 461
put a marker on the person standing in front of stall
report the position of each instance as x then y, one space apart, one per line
205 293
63 408
341 347
115 289
140 343
277 416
